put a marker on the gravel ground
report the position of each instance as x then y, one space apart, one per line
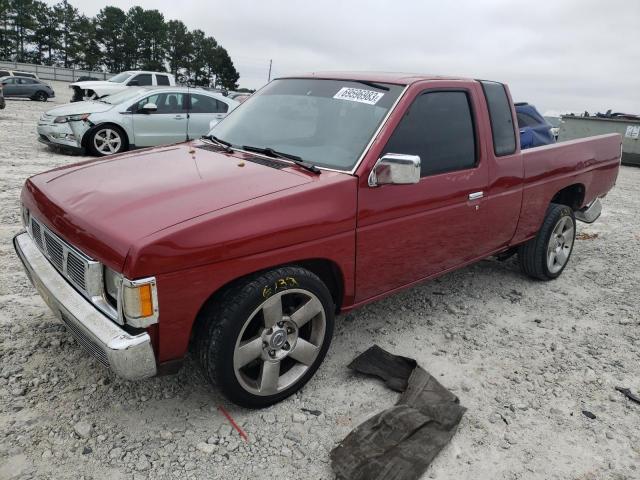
525 357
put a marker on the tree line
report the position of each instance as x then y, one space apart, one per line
113 40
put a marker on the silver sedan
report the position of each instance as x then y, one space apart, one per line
136 117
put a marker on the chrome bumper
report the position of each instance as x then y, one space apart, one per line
590 213
129 356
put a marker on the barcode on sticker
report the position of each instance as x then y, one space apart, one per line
359 95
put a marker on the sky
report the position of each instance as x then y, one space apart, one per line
562 56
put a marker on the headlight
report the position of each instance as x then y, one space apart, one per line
136 301
72 118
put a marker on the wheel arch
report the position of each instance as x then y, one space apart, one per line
88 133
327 270
572 196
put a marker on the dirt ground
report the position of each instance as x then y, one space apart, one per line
526 358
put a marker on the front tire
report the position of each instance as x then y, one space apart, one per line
546 256
265 337
106 140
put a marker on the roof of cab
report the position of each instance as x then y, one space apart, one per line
381 77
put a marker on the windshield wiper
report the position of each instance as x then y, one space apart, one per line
372 85
287 156
223 143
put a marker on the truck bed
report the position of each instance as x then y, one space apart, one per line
589 163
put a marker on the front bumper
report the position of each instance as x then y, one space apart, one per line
58 135
129 356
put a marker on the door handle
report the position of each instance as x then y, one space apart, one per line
178 117
476 195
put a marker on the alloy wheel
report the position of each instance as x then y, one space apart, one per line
560 244
107 141
279 342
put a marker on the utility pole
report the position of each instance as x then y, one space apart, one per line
270 63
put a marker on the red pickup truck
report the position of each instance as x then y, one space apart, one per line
319 194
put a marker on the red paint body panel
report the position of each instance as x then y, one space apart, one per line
591 162
197 219
132 196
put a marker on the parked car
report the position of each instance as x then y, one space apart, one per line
535 131
134 78
17 73
242 97
235 95
87 78
136 117
22 87
320 195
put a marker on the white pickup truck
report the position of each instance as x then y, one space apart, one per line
133 78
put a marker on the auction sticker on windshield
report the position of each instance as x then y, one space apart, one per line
358 95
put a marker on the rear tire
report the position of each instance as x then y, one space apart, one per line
264 338
546 256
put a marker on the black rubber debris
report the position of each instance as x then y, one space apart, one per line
398 443
312 412
629 394
588 414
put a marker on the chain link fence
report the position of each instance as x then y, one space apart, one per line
45 72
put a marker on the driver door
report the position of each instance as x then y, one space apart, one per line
167 124
407 233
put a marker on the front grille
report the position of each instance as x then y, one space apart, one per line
55 250
68 261
76 271
37 233
86 341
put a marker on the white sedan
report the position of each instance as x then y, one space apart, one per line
136 117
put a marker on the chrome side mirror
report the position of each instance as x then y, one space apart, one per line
395 169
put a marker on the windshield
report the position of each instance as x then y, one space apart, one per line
120 78
122 96
324 122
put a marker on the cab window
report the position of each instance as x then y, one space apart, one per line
438 127
142 80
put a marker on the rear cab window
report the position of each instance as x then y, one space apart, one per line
502 127
162 80
439 128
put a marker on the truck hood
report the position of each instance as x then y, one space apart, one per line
104 206
92 84
80 107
